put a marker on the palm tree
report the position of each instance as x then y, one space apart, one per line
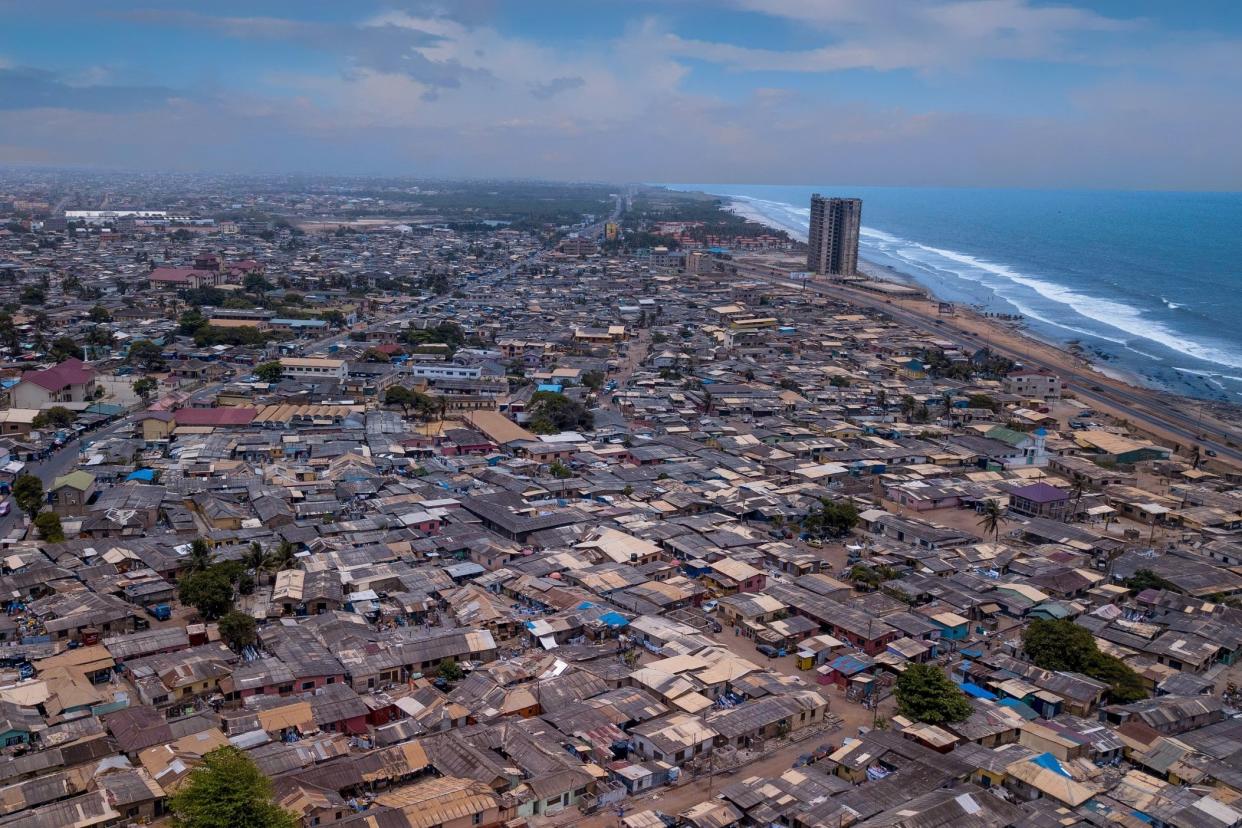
254 558
282 557
200 555
908 405
947 398
1077 489
993 518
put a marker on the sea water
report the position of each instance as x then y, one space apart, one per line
1148 282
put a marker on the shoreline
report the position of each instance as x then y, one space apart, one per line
883 273
1017 327
1217 419
1119 337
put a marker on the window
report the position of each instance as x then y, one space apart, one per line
476 819
308 685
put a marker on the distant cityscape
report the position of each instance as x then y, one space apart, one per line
402 503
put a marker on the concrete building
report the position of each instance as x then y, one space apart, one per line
70 381
833 235
1033 382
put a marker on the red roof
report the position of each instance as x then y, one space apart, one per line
226 416
72 371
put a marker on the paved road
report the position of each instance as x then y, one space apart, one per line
55 465
1084 383
320 346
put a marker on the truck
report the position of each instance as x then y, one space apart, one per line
160 612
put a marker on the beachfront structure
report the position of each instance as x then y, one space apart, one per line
833 235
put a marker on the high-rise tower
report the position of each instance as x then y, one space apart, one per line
833 237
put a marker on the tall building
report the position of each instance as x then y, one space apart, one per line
833 237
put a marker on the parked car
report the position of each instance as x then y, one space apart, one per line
768 650
4 508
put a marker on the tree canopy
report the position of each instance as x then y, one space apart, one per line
237 629
269 372
209 591
225 791
924 693
147 355
551 413
832 519
1063 645
57 417
28 492
1146 579
48 524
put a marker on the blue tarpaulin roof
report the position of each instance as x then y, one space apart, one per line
549 386
972 653
142 474
585 605
613 619
1047 760
978 692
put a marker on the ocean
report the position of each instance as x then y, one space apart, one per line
1149 284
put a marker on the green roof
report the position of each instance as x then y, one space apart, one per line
1008 435
79 480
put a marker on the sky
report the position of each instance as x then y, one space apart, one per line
1131 94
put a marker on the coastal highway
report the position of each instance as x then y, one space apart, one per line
1142 407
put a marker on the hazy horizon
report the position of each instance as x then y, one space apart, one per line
954 93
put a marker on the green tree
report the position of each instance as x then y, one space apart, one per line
551 412
146 355
100 314
908 406
334 318
560 471
238 629
593 380
982 401
450 670
209 591
282 557
399 395
190 322
993 518
28 493
200 555
55 417
832 519
1063 645
269 372
1146 579
1077 489
227 791
64 347
253 557
145 387
870 577
48 524
925 694
375 355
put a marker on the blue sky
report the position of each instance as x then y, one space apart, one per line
942 92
